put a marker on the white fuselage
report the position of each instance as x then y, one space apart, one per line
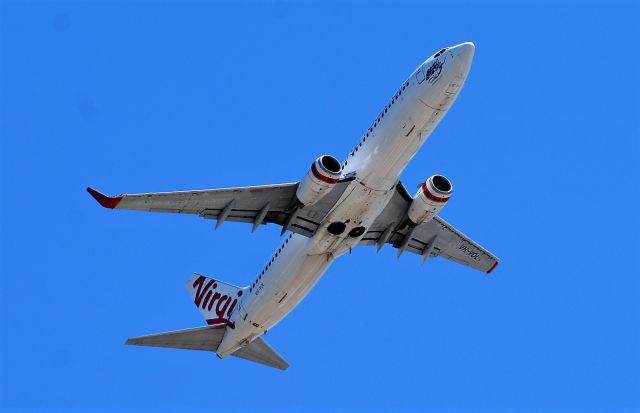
376 162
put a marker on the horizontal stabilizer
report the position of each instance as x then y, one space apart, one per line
261 352
201 338
208 339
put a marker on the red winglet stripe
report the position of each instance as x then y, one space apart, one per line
106 201
431 196
321 177
495 264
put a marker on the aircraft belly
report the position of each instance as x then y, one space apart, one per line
287 282
295 285
381 166
301 263
290 278
304 260
358 210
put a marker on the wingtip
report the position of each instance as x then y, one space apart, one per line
493 267
106 201
133 341
283 366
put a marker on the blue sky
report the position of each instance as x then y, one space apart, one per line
542 148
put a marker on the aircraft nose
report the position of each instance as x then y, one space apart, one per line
463 54
446 75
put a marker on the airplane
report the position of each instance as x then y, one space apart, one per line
332 209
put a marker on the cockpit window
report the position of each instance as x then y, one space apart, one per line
440 52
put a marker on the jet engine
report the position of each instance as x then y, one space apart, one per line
321 177
430 199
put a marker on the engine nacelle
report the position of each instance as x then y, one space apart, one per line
319 180
430 199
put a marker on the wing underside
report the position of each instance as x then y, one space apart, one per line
265 204
256 205
435 238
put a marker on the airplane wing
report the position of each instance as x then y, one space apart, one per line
435 238
252 204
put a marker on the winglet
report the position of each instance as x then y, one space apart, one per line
495 264
106 201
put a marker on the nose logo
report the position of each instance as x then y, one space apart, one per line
433 73
220 305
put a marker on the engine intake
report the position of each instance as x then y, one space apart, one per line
319 180
430 199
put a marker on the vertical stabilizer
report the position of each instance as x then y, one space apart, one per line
216 300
